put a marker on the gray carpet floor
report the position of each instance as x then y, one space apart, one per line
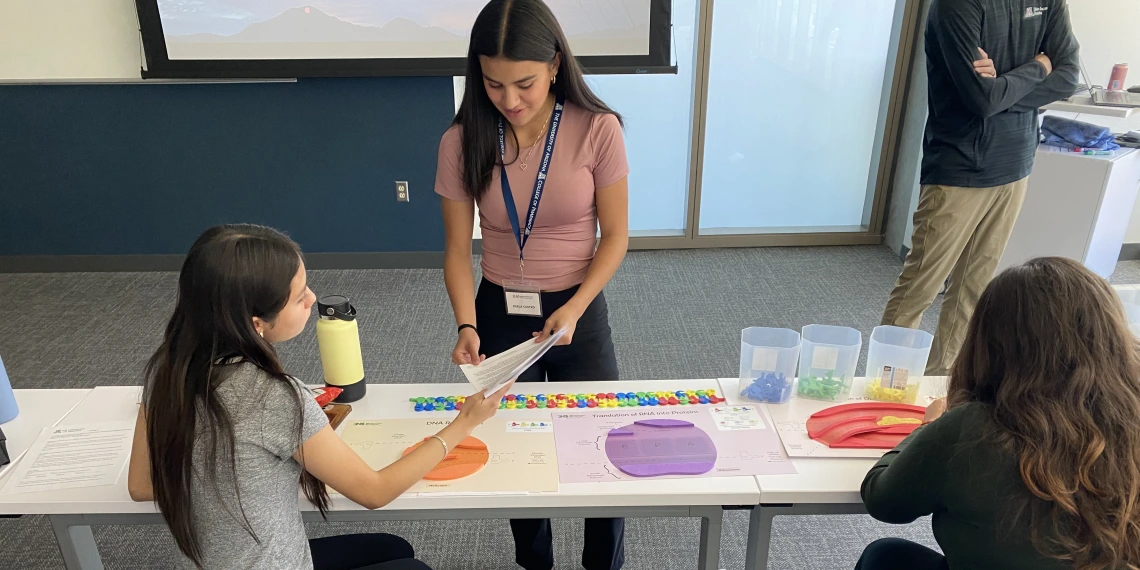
675 314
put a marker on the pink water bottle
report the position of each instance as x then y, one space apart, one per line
1119 72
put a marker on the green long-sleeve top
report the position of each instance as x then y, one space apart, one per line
952 469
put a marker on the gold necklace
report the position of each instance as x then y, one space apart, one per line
542 131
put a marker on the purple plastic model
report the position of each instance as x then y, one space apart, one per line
649 448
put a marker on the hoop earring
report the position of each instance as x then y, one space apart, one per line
553 80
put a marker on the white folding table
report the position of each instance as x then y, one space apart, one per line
72 512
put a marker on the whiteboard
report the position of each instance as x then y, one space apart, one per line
61 40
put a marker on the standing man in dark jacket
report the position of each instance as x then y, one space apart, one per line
991 64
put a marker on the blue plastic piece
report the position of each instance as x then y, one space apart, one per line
769 387
429 407
652 401
449 407
419 407
704 399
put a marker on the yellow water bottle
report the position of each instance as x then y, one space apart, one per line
339 342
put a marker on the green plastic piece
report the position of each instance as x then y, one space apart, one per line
826 388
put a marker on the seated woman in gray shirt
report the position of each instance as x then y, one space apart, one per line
224 434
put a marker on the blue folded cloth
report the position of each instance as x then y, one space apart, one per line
1067 133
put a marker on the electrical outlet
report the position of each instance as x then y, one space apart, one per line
402 191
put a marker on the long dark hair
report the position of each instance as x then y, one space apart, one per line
231 274
519 30
1049 351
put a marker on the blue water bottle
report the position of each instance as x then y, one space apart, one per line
8 408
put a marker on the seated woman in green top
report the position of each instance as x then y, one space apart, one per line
1036 462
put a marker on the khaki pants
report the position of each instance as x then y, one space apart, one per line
960 233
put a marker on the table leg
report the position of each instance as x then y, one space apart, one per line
76 543
760 534
712 521
760 525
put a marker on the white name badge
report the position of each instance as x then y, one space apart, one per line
524 298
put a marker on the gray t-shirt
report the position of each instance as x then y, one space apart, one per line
264 416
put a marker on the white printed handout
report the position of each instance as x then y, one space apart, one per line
73 456
730 418
498 370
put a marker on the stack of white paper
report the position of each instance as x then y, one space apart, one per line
499 370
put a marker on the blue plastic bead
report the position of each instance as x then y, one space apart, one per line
429 407
679 393
704 399
449 407
642 402
419 407
652 401
441 399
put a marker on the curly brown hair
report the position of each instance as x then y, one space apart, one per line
1049 350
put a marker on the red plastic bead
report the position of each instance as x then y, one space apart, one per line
662 402
531 405
673 401
611 396
694 400
510 397
571 404
591 404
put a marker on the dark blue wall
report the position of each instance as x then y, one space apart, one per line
143 169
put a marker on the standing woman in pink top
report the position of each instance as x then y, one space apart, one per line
544 159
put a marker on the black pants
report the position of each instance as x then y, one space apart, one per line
589 356
364 552
899 554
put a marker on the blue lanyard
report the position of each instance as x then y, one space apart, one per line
522 235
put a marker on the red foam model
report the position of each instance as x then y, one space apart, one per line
865 425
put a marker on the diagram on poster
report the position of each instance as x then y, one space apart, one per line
624 445
494 459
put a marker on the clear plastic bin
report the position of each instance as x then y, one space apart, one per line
1130 298
896 360
828 356
768 359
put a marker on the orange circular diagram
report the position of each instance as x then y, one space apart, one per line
466 459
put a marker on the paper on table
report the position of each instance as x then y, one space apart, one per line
73 456
497 371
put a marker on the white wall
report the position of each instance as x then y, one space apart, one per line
69 40
1109 32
